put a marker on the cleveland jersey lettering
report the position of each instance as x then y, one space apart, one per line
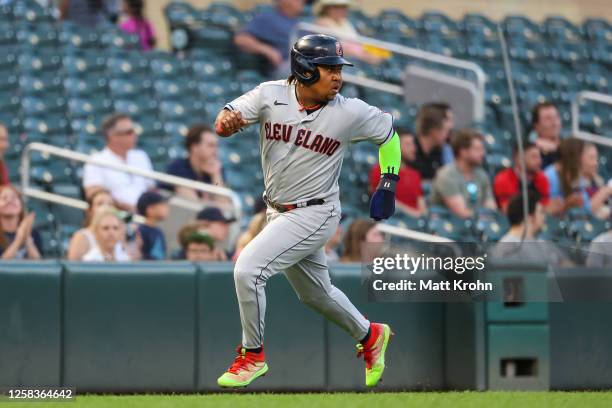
302 153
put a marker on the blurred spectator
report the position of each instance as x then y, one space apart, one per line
201 164
136 23
198 246
18 237
520 242
83 240
600 251
360 232
4 145
434 124
212 220
205 248
546 124
409 197
567 180
256 224
596 188
463 186
88 13
154 207
108 230
508 182
333 15
268 34
121 138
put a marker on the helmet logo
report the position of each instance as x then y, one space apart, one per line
339 49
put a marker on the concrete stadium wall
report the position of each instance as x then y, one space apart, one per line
173 327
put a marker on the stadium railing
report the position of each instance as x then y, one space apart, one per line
50 150
584 135
405 51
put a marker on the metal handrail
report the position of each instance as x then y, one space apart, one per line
81 157
411 234
588 136
481 78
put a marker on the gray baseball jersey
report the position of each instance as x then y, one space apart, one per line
301 153
301 156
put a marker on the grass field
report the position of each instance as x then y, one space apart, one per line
343 400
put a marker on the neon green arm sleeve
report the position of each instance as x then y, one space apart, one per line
390 155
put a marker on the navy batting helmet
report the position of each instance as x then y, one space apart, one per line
312 50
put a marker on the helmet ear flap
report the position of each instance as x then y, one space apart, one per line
305 71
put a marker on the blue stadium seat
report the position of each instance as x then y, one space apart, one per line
477 26
142 105
127 88
94 106
121 67
86 64
29 63
75 86
172 89
32 12
175 129
598 30
116 39
39 106
47 125
42 84
180 14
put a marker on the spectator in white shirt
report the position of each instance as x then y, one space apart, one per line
121 138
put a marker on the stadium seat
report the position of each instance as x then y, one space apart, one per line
87 64
121 67
38 106
75 87
30 63
94 106
32 12
123 88
48 83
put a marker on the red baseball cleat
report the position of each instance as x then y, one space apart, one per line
247 366
373 352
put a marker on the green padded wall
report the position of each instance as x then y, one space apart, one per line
30 319
130 327
415 354
294 335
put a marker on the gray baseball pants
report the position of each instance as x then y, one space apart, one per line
293 242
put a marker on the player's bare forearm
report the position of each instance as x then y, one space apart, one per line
229 122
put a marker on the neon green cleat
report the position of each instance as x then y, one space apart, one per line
374 352
247 366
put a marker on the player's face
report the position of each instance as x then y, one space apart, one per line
330 82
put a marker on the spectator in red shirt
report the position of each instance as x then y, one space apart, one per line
409 194
507 182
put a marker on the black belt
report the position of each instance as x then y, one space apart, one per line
281 208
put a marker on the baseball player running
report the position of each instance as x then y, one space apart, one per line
305 126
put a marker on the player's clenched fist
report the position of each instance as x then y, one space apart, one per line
229 122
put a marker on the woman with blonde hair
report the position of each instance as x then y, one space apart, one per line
108 229
83 240
18 238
